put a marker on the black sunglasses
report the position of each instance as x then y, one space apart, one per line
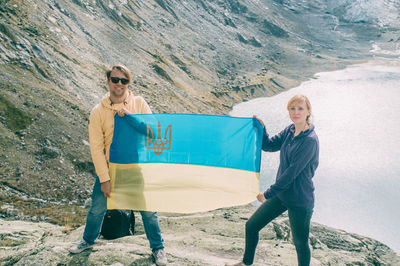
116 80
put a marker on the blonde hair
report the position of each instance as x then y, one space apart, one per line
121 68
301 99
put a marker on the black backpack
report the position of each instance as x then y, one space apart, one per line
118 223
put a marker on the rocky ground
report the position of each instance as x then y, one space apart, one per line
212 238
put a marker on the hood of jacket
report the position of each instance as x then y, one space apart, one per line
108 104
304 133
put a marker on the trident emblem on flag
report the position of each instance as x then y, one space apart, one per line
158 145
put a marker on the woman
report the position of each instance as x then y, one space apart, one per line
293 189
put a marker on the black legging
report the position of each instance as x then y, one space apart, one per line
299 218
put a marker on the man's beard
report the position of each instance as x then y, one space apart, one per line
118 94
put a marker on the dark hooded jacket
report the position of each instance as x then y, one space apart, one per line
299 158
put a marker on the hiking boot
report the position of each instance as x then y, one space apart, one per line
159 257
80 246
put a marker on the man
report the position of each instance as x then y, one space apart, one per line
119 100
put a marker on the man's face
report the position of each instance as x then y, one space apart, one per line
115 83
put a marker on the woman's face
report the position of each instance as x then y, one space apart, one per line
299 112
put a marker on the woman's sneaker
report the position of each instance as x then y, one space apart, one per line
159 257
80 246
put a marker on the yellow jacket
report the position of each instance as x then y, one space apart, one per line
101 129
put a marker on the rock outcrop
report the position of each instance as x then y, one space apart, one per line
212 238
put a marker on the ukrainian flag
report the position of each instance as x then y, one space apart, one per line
184 163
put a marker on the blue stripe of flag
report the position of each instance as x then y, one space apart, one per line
209 140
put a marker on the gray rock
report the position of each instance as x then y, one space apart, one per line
210 238
88 203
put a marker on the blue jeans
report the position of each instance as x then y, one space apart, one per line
299 218
95 217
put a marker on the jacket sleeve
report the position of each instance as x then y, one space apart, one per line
97 146
144 107
300 160
274 143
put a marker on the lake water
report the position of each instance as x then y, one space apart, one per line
356 112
